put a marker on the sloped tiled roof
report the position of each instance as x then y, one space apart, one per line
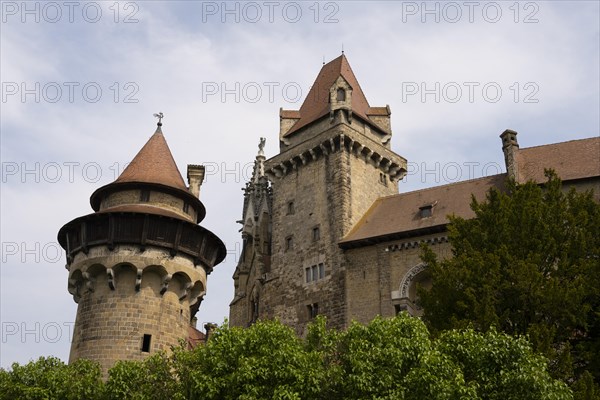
195 337
154 163
316 104
401 212
576 159
292 114
378 111
152 166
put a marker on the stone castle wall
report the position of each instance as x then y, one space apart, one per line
126 294
155 198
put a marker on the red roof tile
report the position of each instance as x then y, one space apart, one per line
154 166
316 104
401 212
195 337
291 114
154 163
576 159
378 111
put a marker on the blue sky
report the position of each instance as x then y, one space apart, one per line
80 83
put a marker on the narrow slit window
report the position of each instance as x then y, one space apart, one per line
341 95
146 340
290 208
383 179
145 196
316 234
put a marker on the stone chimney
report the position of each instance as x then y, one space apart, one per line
209 328
195 176
510 148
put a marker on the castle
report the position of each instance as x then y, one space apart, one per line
324 229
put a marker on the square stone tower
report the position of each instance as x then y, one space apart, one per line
335 160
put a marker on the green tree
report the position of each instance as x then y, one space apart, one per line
149 379
50 378
265 361
396 359
527 264
498 366
386 359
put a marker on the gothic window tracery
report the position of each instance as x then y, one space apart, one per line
407 298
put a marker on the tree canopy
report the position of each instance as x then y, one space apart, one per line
386 359
527 264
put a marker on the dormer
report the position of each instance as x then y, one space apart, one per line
340 98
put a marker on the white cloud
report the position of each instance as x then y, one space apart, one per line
171 57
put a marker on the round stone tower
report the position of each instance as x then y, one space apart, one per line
138 265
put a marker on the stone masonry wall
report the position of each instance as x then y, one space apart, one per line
374 273
113 314
330 193
157 199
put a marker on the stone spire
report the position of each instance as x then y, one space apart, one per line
259 163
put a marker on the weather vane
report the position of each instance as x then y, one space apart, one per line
160 117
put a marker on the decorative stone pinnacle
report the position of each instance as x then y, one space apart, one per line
259 164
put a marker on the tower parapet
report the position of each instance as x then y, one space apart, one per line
138 265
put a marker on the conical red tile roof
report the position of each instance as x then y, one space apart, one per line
316 104
154 163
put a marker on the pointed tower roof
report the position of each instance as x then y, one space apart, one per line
316 104
154 163
153 166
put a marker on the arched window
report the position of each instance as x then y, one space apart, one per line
406 299
254 299
341 95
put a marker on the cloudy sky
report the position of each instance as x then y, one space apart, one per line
81 80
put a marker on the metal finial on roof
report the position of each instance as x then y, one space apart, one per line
323 59
160 116
342 48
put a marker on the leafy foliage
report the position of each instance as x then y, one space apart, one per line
387 359
151 378
528 264
266 361
396 359
50 378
